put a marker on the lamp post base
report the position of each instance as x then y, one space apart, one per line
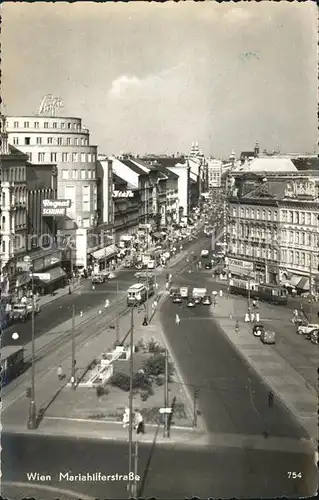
32 421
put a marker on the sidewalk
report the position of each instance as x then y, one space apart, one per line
285 382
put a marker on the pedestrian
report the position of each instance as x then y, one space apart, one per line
257 317
145 322
70 291
254 304
60 372
177 319
107 303
139 423
270 399
166 285
221 293
236 326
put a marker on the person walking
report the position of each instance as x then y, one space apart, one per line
60 372
177 319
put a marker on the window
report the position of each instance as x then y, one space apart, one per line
53 157
65 157
41 156
302 218
86 222
275 254
36 124
26 124
50 140
74 174
69 126
309 239
27 141
297 217
68 141
275 214
291 216
83 157
3 246
257 214
247 213
89 174
60 141
3 199
82 174
297 237
284 215
46 124
74 157
303 258
264 214
69 194
302 241
242 212
16 140
297 257
89 158
291 237
76 141
65 174
16 124
54 125
39 141
269 214
252 213
30 156
308 218
234 212
85 198
62 125
83 141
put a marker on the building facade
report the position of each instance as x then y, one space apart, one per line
64 142
214 173
273 229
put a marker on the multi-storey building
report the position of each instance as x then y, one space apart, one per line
214 172
64 142
273 231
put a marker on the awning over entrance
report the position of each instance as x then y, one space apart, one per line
105 253
56 274
294 280
303 284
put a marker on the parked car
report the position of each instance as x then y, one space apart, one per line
191 302
177 298
197 299
314 336
208 265
268 337
258 329
303 330
204 253
207 301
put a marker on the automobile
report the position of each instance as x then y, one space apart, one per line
197 299
268 337
305 329
299 322
191 302
204 253
173 291
258 329
177 298
314 336
208 265
207 301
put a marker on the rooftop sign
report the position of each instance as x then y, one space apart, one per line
55 207
49 105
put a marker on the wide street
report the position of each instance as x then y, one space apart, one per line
165 471
232 398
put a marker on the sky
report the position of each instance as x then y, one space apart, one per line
153 78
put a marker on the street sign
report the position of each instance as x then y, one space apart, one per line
27 258
165 410
41 276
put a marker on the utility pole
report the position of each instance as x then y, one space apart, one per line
195 408
117 326
135 468
73 349
130 438
32 405
166 395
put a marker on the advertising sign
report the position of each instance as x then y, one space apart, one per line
122 194
51 208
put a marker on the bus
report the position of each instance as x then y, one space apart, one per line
12 362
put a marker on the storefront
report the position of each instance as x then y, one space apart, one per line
105 256
241 268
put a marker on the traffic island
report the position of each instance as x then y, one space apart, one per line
105 399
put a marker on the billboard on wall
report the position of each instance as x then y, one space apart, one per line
122 194
55 207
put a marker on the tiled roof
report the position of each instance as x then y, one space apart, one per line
118 180
270 165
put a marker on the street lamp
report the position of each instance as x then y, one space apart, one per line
32 419
130 438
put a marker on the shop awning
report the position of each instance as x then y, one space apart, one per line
303 284
294 280
105 253
56 274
